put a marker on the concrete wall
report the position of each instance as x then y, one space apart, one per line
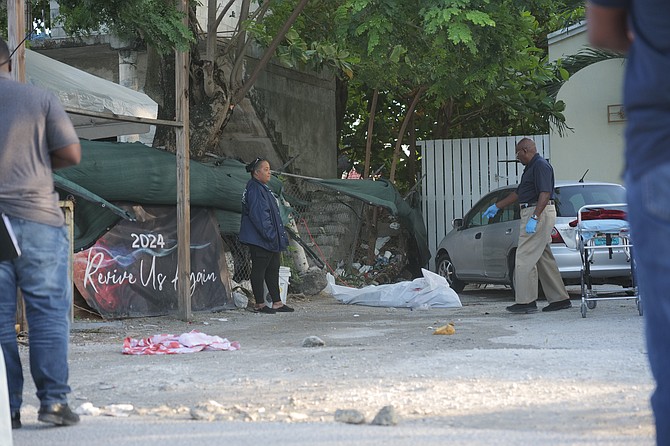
596 144
568 41
292 112
298 109
230 20
100 60
596 140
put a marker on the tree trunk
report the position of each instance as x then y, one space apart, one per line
161 89
444 115
211 98
412 158
341 97
401 133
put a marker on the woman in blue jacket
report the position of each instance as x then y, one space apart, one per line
262 230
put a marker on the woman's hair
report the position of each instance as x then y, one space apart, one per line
253 166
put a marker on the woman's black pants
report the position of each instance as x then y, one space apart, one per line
264 268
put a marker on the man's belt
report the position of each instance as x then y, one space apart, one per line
528 205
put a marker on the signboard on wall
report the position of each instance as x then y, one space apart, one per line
131 271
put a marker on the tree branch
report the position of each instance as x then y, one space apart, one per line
223 12
269 52
403 128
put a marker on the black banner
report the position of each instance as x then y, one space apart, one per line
131 271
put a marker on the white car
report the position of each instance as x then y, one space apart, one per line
482 250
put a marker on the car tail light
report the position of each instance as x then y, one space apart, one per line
556 236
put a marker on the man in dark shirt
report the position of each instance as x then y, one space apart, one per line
642 29
538 216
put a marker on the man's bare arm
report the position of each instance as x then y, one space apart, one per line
608 28
67 156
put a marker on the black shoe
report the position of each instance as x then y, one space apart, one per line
58 414
265 309
560 305
523 308
16 420
284 309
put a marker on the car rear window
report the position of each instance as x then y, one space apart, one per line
570 198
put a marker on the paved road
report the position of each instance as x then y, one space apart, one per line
542 379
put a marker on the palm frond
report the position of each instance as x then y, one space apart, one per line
576 62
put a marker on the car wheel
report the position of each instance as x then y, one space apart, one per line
446 269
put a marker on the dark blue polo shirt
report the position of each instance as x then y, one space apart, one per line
538 176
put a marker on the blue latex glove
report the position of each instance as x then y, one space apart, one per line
531 225
491 211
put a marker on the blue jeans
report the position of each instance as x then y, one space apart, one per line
649 215
41 272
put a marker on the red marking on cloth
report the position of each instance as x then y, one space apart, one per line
167 344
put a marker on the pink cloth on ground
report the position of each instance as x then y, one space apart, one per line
167 344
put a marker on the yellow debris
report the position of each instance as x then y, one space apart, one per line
445 329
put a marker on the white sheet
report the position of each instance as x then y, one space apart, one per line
429 291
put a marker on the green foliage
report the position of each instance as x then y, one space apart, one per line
34 9
484 65
156 22
311 42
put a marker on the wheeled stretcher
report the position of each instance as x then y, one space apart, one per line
603 227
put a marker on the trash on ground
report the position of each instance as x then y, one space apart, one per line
168 344
429 291
445 330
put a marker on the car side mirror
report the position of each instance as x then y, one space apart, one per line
457 223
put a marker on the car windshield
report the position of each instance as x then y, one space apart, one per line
570 198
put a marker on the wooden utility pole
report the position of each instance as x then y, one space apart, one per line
183 179
16 31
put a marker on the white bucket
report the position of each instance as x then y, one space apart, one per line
284 275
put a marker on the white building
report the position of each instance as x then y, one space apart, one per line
594 111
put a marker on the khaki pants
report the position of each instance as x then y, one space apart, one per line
534 260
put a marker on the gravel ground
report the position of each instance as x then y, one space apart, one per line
544 378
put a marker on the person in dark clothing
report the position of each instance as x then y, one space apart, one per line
262 230
641 29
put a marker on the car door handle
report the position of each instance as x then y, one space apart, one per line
508 231
478 236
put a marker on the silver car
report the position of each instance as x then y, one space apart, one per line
482 250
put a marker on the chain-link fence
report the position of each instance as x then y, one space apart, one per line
358 243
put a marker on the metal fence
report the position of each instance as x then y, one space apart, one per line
458 172
357 243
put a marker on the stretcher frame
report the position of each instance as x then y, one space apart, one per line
588 231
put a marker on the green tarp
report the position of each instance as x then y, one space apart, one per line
135 173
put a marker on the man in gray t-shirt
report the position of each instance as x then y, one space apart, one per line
36 137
